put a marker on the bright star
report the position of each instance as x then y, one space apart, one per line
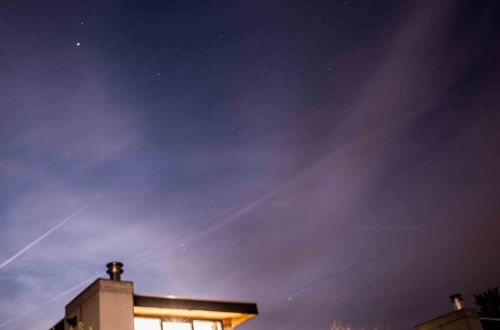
77 44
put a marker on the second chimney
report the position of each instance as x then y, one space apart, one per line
456 300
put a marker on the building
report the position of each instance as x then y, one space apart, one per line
112 304
461 319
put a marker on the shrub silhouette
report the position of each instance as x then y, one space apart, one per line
488 301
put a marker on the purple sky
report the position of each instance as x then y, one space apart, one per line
330 160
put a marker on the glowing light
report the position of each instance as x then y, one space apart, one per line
176 326
142 323
207 325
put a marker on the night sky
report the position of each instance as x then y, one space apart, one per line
329 160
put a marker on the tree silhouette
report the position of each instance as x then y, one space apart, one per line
488 301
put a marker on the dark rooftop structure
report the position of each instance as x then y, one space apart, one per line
462 319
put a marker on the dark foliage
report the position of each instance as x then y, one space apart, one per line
488 301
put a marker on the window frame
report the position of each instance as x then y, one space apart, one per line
162 319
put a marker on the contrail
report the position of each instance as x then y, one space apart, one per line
35 309
134 260
347 272
29 246
227 217
235 214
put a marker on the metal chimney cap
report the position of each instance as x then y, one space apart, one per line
115 269
456 301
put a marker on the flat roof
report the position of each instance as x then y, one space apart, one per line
173 302
171 306
451 317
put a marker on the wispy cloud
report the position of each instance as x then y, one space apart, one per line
43 236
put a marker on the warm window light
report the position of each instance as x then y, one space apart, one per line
141 323
151 323
206 325
176 326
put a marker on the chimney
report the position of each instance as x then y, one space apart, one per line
114 270
456 300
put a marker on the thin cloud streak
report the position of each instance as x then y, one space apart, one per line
56 298
39 239
320 157
235 214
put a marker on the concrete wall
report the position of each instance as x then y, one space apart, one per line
104 305
116 305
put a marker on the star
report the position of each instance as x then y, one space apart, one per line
78 44
157 74
82 23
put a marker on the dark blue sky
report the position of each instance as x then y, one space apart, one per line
330 160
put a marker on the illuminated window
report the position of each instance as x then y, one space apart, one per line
177 326
149 323
142 323
207 325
